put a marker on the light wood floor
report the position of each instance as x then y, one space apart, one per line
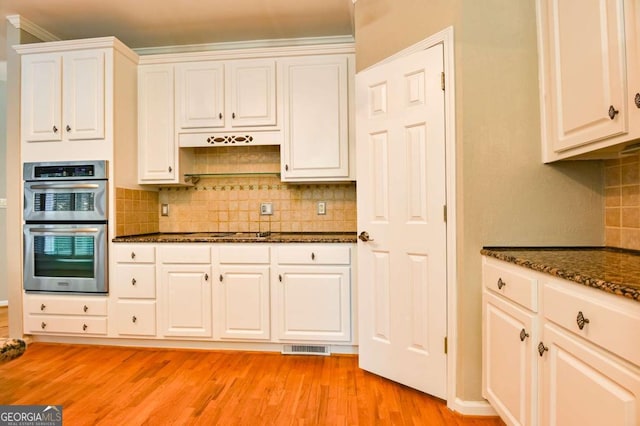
99 385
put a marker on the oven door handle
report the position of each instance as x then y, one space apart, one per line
63 230
65 186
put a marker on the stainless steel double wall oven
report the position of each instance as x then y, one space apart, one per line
65 227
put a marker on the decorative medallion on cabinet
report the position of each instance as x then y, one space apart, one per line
222 103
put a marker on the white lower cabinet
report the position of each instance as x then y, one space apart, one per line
136 317
242 295
134 286
185 291
570 359
509 373
261 293
186 300
582 385
64 314
313 293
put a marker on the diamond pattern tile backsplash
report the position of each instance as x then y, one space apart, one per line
622 202
232 203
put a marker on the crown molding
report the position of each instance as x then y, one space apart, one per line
35 30
245 45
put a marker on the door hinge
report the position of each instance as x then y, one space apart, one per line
445 345
444 212
442 80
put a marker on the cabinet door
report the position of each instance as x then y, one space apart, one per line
186 300
314 303
157 149
586 70
509 363
583 386
200 95
42 97
316 127
243 302
83 96
252 89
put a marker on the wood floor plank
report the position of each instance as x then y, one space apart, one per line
100 385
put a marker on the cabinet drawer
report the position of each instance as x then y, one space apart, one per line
65 324
190 254
135 253
501 278
313 255
136 317
66 305
609 321
244 254
136 281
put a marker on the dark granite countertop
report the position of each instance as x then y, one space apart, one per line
612 270
241 237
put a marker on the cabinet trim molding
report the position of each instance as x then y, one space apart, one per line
247 50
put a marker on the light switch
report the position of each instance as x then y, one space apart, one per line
3 203
164 210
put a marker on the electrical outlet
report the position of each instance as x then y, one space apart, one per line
164 210
266 209
322 207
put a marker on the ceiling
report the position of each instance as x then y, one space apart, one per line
154 23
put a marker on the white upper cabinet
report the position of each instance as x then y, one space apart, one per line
157 149
200 95
226 95
588 77
252 89
78 102
316 118
63 96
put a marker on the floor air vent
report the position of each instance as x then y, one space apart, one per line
305 350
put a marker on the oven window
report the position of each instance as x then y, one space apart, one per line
64 256
64 201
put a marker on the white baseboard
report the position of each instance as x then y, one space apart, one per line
472 408
4 303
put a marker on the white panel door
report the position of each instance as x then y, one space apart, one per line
401 198
243 302
84 95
